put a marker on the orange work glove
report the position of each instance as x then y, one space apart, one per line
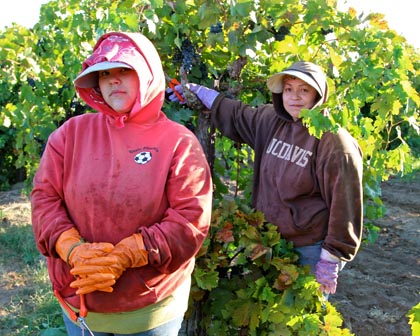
98 281
96 274
129 252
73 250
102 272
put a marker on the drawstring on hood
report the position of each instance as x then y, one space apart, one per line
138 53
306 71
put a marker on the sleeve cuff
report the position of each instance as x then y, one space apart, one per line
328 256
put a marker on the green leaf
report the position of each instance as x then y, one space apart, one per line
206 279
207 13
156 3
131 20
287 300
242 8
241 312
414 319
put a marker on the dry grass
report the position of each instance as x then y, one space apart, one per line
27 306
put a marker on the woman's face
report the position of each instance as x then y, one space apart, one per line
119 88
298 95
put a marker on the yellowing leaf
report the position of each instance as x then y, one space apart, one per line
352 12
225 234
411 92
257 251
396 107
335 57
377 20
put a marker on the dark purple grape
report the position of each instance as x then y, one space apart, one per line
217 28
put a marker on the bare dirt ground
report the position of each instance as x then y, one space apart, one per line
375 291
379 287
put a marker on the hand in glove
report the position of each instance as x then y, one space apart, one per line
129 252
94 282
326 273
96 274
206 95
76 253
173 97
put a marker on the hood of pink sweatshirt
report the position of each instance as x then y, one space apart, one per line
137 51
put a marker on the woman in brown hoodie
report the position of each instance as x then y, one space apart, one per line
310 188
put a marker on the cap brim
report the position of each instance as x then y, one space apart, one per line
275 82
88 78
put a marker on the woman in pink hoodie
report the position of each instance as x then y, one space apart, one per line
121 201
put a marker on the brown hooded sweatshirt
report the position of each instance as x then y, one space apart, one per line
310 188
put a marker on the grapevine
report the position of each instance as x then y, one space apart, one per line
249 281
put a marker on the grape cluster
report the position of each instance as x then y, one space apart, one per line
327 31
280 34
31 82
187 56
217 28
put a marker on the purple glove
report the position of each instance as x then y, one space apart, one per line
326 273
170 94
206 95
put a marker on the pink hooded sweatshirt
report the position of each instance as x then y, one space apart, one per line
111 175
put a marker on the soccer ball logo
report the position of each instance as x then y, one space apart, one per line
143 157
